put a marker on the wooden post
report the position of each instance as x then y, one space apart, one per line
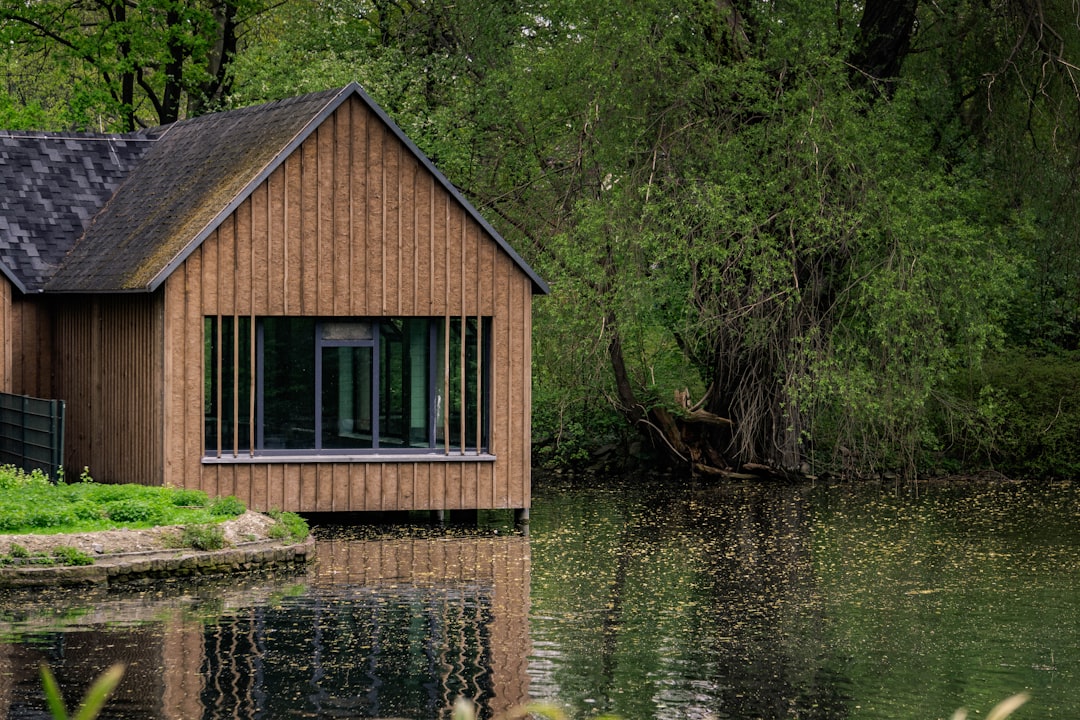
217 355
446 384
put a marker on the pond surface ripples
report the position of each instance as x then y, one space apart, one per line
630 598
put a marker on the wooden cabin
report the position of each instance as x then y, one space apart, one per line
288 303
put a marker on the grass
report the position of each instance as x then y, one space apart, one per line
31 503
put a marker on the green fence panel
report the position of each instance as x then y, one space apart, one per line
32 433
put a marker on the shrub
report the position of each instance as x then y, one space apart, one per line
18 551
66 555
133 511
86 511
189 498
289 524
1037 405
203 537
48 517
12 478
227 506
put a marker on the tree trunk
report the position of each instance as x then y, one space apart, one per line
884 40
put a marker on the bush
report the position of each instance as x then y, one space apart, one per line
203 537
1037 401
48 517
289 525
133 511
227 506
189 498
12 478
66 555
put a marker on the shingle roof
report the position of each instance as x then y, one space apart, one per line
145 201
52 186
194 174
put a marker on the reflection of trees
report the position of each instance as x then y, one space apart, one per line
689 603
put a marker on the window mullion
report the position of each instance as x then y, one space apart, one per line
318 385
376 383
218 351
260 399
479 383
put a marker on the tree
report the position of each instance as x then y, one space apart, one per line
129 63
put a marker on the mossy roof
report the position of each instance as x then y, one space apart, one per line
157 194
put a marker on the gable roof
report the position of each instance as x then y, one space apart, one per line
52 186
156 209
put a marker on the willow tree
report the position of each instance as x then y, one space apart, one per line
776 241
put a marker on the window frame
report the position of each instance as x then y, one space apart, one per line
438 396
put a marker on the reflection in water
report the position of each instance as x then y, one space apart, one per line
648 601
396 627
683 604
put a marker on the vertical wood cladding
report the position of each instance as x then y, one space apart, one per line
109 373
352 224
27 351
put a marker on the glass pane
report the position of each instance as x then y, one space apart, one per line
227 394
210 385
346 397
404 363
475 398
288 383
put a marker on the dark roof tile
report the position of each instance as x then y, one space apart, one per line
54 183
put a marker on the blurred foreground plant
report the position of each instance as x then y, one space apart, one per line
465 710
1002 710
93 701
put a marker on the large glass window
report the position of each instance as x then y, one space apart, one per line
345 384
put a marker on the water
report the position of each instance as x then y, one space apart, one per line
634 599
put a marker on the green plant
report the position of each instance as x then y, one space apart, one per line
189 498
67 555
18 551
203 537
289 524
133 511
228 506
95 697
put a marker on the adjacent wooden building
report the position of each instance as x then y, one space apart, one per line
288 303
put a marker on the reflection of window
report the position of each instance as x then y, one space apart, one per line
345 384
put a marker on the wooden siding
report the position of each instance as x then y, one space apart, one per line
352 225
27 349
108 371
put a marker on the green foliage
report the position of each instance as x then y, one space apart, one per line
203 537
1035 401
29 502
95 699
289 525
189 498
227 506
67 555
118 67
60 555
12 478
132 511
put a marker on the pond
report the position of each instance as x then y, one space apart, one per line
631 598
